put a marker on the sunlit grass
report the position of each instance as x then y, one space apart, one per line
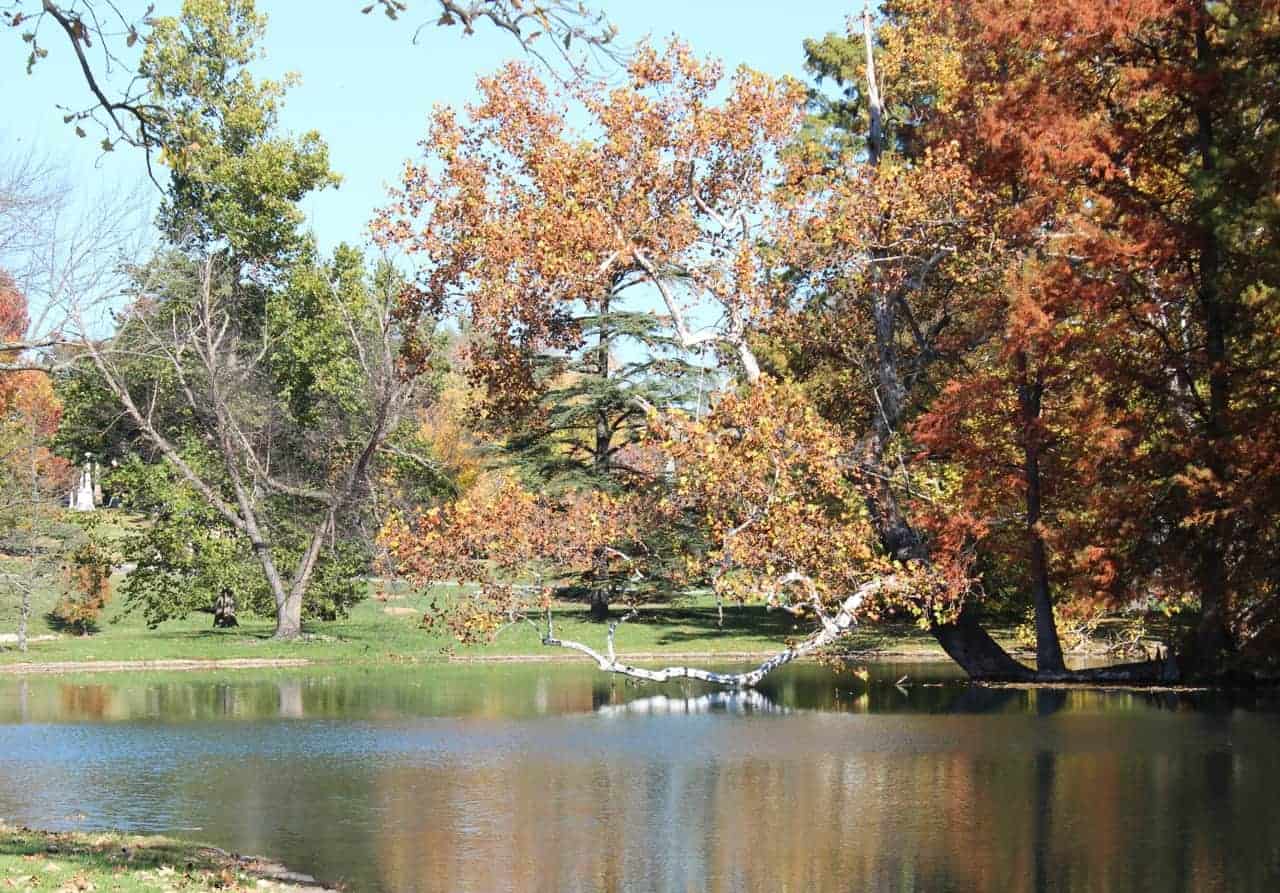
388 626
40 860
391 629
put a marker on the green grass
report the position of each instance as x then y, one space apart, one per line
43 860
382 629
379 630
389 629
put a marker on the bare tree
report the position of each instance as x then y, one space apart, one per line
219 365
54 252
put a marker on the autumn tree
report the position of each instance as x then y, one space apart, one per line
761 475
31 476
916 284
866 252
963 350
883 242
1130 145
554 242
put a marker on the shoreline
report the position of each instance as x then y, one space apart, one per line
86 860
52 668
124 666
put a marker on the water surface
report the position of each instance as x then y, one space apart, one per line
553 777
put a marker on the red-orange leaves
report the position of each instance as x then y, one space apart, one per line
511 547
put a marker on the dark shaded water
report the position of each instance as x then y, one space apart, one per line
552 777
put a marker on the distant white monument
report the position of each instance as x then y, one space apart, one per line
82 496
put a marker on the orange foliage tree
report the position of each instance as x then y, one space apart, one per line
1028 319
29 416
1129 148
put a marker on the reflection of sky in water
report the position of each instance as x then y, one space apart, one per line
549 779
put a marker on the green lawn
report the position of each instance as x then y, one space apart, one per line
389 629
41 860
380 629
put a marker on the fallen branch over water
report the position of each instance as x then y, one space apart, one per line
832 628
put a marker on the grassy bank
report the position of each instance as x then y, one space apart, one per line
379 630
387 627
44 860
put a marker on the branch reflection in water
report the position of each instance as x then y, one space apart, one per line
743 702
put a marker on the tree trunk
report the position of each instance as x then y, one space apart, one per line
1048 645
289 616
1030 399
24 615
968 644
1212 638
24 609
964 639
972 648
599 604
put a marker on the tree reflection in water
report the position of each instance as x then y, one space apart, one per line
548 778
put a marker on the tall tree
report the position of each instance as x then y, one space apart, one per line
556 243
31 477
1136 137
884 242
276 437
583 431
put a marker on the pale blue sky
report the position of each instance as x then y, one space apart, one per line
368 89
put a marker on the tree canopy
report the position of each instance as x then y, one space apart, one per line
980 322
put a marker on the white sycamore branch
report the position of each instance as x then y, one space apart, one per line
833 627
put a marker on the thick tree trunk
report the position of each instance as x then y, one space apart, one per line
289 616
964 639
974 651
1048 645
289 608
1030 399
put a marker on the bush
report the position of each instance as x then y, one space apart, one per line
86 585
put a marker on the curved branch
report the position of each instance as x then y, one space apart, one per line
839 624
690 339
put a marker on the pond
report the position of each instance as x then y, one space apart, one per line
553 777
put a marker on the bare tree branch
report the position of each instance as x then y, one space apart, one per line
832 630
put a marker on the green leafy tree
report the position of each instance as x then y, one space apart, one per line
259 379
585 429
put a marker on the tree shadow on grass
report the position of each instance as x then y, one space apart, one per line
60 624
691 625
684 625
207 634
